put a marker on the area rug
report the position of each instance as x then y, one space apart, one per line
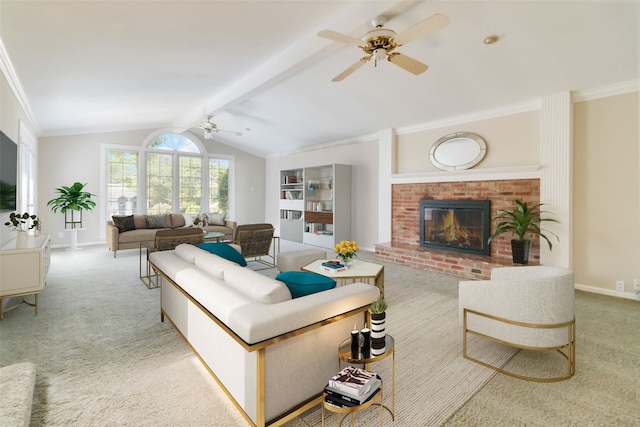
104 358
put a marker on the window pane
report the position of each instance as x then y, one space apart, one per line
159 183
218 185
190 184
174 142
122 182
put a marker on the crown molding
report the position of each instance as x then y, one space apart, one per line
14 83
621 88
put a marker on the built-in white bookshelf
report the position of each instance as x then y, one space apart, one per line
315 205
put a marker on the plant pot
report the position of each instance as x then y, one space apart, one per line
378 333
22 239
520 251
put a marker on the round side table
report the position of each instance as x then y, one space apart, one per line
352 409
344 355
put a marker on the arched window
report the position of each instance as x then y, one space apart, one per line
177 175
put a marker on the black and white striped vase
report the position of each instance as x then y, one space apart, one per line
378 333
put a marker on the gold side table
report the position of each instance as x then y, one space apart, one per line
149 278
352 409
344 355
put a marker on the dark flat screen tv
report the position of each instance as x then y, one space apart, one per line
8 173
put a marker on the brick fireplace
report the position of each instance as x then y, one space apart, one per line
405 247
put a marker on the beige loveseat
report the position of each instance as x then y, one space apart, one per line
146 228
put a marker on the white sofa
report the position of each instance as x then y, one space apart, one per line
272 354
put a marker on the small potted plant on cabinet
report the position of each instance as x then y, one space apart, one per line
22 223
520 221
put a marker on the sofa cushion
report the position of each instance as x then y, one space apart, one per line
175 220
213 264
124 222
138 235
217 218
256 286
187 252
140 221
301 283
156 221
225 251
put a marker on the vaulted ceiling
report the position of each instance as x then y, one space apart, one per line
259 67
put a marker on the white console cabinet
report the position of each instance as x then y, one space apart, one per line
23 270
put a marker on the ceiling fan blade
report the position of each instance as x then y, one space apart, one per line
342 38
409 64
230 131
351 69
429 25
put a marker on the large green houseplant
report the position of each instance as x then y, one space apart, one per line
520 221
72 199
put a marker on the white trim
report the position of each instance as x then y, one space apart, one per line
104 147
489 174
14 83
609 292
622 88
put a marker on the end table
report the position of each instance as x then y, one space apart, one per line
344 355
353 409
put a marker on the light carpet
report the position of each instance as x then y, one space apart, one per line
104 358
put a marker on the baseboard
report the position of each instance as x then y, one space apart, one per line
610 292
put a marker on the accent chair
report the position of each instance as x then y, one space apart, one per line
528 308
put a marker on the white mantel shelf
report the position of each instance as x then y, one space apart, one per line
489 174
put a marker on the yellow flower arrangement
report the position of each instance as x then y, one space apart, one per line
345 250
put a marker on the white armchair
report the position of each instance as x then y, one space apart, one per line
528 307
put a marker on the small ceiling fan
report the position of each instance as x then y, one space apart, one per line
379 43
210 128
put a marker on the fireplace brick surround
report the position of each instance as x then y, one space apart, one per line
405 248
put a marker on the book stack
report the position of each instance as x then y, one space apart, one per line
333 266
352 387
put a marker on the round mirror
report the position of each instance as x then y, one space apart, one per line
461 150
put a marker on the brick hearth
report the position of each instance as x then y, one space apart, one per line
405 232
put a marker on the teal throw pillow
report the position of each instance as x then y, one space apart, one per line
224 251
301 283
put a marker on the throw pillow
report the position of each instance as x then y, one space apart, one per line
225 251
124 223
156 221
301 283
188 220
217 218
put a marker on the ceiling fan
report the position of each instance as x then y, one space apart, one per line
379 43
210 128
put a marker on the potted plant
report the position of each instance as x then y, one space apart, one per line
22 223
378 314
346 251
72 199
520 221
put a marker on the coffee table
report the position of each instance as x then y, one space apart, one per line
212 235
360 271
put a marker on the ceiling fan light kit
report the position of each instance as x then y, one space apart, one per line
210 128
379 44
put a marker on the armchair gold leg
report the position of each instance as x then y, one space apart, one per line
568 350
